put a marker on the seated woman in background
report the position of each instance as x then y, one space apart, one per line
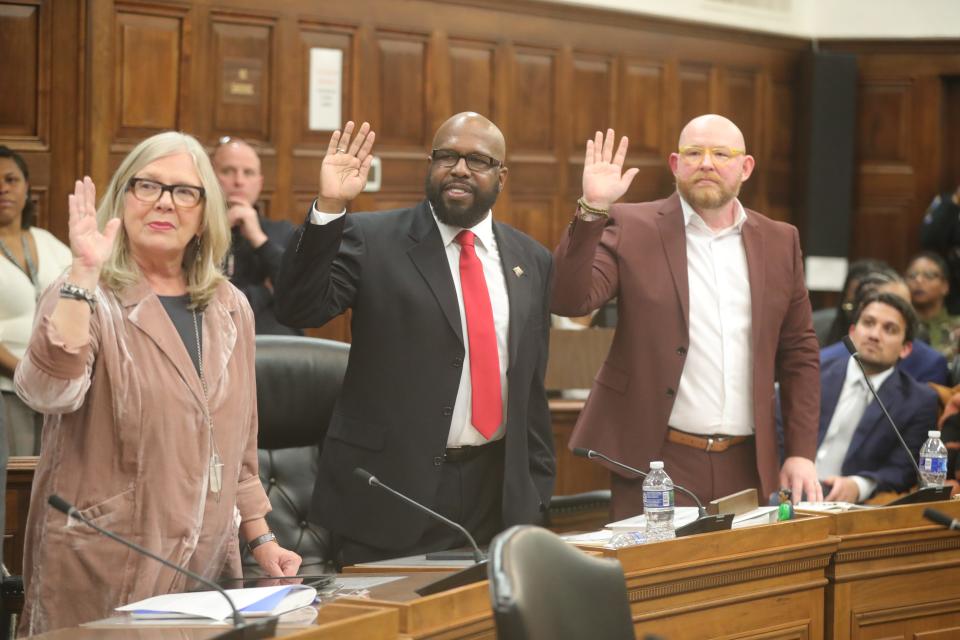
142 360
31 259
928 279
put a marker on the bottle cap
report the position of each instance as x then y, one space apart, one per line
933 434
656 464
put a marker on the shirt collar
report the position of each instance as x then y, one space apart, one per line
691 216
483 229
854 374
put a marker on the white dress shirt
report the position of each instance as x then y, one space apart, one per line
715 394
854 399
462 433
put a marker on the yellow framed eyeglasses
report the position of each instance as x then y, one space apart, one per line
694 154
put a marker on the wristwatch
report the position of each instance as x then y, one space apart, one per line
269 536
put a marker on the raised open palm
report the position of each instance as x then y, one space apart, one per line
343 173
89 245
604 181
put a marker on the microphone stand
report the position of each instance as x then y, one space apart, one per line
474 573
704 523
242 630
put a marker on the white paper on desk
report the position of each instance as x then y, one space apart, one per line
754 517
351 583
681 516
254 602
591 537
831 507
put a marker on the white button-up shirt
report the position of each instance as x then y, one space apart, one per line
854 399
715 395
462 432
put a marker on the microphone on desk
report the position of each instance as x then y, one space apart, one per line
242 629
704 522
372 480
924 494
941 518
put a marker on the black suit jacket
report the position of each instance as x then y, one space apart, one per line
406 359
249 268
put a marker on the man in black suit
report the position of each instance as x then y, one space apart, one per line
443 397
257 244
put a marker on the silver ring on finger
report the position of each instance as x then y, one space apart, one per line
341 150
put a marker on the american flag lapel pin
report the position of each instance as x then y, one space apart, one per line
518 271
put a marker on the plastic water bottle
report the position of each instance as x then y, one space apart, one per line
933 461
658 502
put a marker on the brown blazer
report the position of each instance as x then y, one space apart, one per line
639 256
125 441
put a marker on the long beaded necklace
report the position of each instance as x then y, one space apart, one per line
215 482
31 270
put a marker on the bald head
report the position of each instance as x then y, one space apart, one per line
711 130
475 126
237 166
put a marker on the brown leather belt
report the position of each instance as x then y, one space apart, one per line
711 444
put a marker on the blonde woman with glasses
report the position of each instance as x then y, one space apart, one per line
142 362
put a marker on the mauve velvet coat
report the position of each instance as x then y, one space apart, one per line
125 441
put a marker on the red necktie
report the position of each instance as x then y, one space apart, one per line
487 403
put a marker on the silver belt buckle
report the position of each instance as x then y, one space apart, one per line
709 444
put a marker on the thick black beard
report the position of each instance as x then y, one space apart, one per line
463 217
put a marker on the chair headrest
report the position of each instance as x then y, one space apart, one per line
298 383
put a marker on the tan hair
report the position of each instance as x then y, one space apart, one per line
202 270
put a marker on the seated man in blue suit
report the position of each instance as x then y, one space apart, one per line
858 453
924 363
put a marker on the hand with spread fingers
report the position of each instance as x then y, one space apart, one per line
604 180
89 245
343 173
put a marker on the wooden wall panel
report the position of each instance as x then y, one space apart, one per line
403 84
641 106
148 67
532 100
884 122
903 125
548 75
25 75
694 92
242 77
472 76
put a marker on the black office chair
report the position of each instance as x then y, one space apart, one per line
579 511
542 588
298 381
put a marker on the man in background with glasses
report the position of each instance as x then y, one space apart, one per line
443 397
258 242
712 309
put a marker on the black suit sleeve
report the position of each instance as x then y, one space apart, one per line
543 467
320 273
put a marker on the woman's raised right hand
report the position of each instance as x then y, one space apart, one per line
89 245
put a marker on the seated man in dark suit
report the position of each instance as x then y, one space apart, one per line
923 363
858 453
257 246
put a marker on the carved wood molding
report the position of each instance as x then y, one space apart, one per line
901 549
700 583
898 614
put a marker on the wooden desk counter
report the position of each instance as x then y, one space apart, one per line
335 621
895 575
765 582
463 612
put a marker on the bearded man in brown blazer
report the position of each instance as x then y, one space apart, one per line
712 309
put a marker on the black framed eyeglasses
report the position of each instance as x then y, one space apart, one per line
149 191
475 161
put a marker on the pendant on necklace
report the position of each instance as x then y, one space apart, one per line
216 474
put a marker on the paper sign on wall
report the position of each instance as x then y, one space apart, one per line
326 88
